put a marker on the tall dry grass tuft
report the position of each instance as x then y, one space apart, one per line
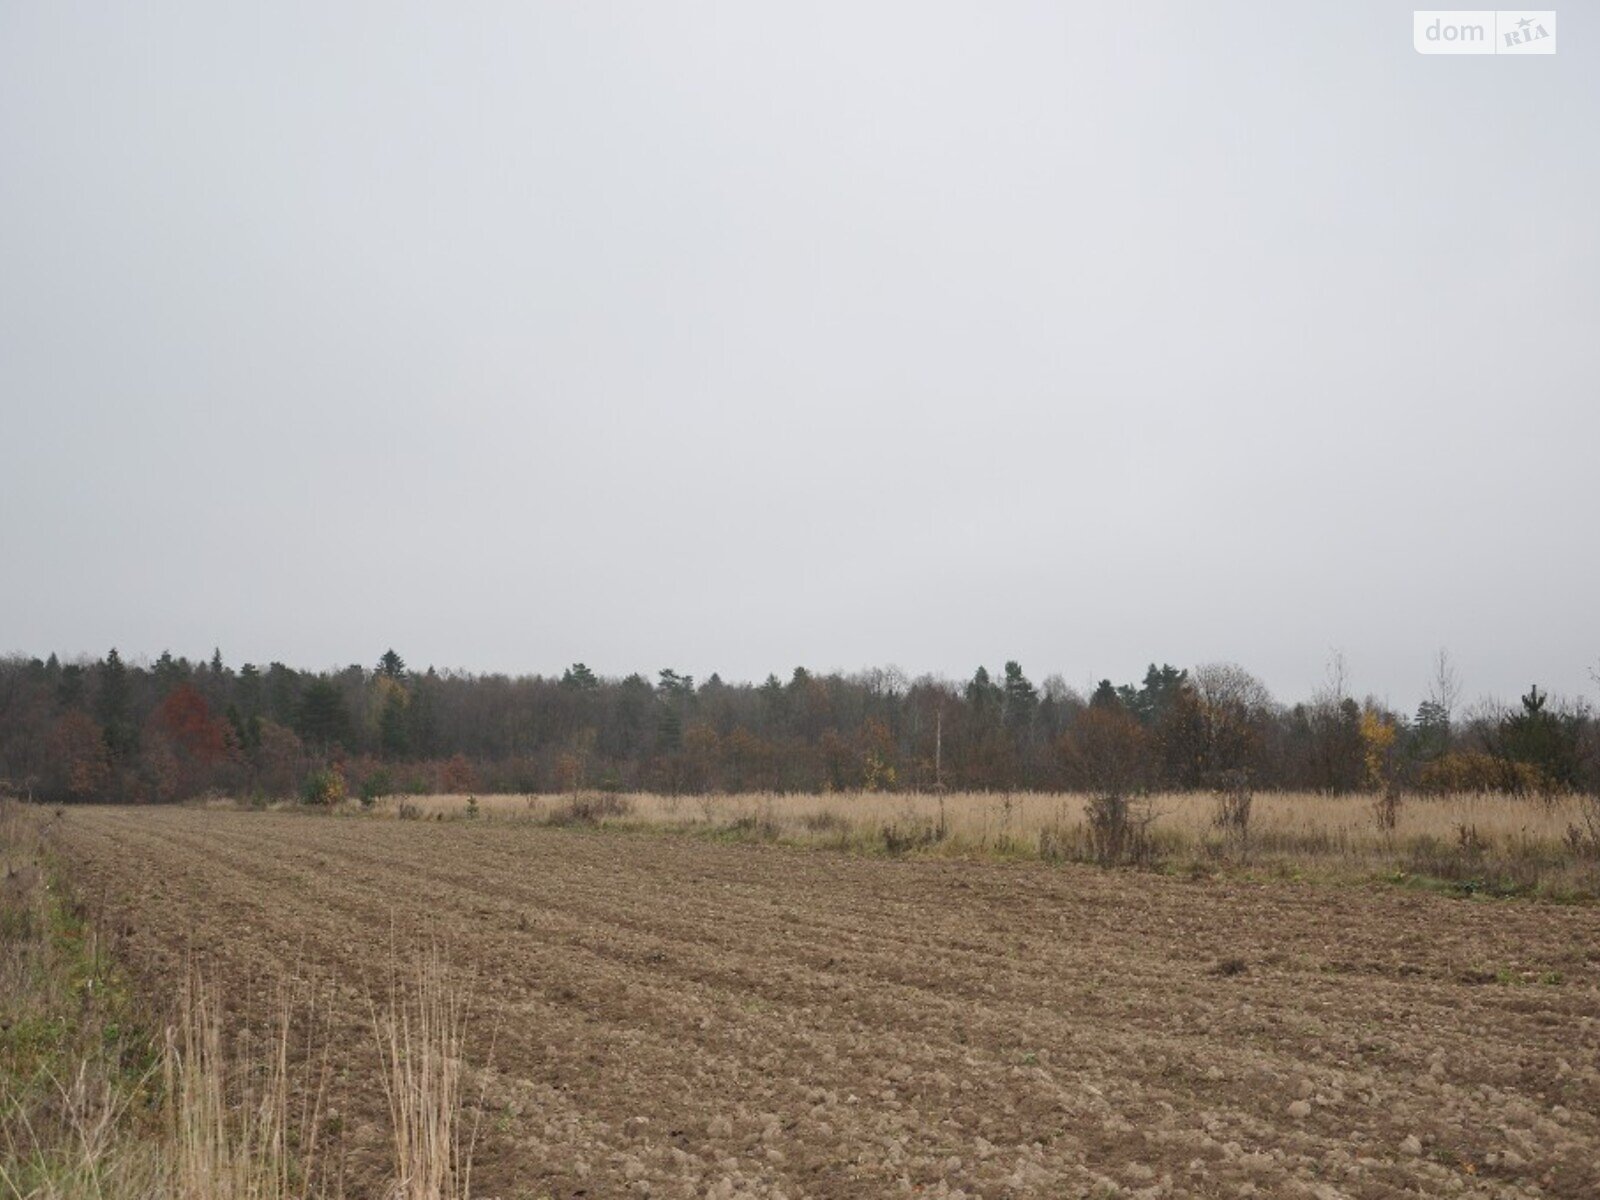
422 1038
236 1131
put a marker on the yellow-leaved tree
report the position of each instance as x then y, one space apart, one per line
1378 736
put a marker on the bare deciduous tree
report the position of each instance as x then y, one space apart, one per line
1445 689
1234 707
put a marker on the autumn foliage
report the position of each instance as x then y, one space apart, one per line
174 729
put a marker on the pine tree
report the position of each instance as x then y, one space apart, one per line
169 672
984 697
580 677
70 686
1021 699
1161 687
1547 740
1106 696
113 707
673 684
393 736
669 729
323 721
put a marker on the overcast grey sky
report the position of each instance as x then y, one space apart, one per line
731 336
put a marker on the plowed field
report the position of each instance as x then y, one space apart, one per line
681 1018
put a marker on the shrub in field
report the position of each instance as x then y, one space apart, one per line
902 837
1107 749
1234 800
324 786
824 822
375 786
757 826
1119 830
1474 771
589 809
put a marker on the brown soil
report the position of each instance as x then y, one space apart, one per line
678 1018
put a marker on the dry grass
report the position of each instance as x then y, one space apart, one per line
1508 843
70 1087
93 1109
421 1040
235 1129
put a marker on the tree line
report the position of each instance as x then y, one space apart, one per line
151 732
